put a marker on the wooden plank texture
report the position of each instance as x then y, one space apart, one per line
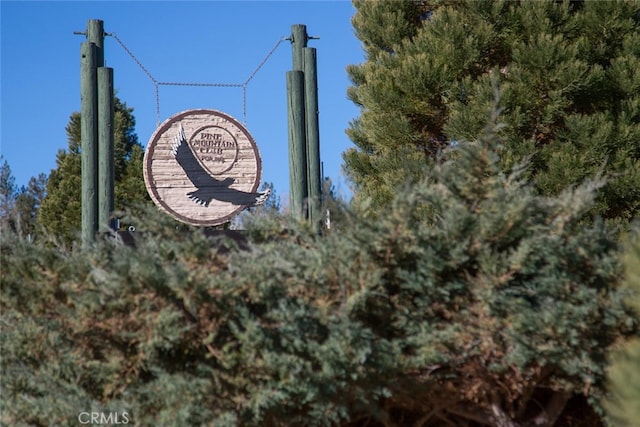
208 176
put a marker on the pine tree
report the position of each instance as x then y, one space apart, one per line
19 206
28 201
7 193
335 208
60 212
569 73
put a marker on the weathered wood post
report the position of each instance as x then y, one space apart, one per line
95 35
304 171
298 187
89 140
106 183
299 38
313 135
297 147
97 133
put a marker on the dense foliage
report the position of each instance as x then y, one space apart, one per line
470 299
19 206
624 402
60 212
569 72
471 283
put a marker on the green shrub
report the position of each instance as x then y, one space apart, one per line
471 299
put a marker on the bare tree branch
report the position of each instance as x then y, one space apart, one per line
551 412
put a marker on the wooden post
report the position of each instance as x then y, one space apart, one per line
97 193
89 138
299 40
105 146
297 148
95 35
305 170
312 134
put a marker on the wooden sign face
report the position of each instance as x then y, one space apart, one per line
202 167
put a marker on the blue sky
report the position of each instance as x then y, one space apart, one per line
189 42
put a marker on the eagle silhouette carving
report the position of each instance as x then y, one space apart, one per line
209 188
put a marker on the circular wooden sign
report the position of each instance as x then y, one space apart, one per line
202 167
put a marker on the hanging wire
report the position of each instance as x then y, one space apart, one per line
201 84
244 104
157 90
136 60
157 83
264 60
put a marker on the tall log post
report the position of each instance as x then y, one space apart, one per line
297 148
105 146
313 135
89 140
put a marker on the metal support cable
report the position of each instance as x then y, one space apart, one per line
157 91
244 104
157 83
201 84
136 60
246 82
